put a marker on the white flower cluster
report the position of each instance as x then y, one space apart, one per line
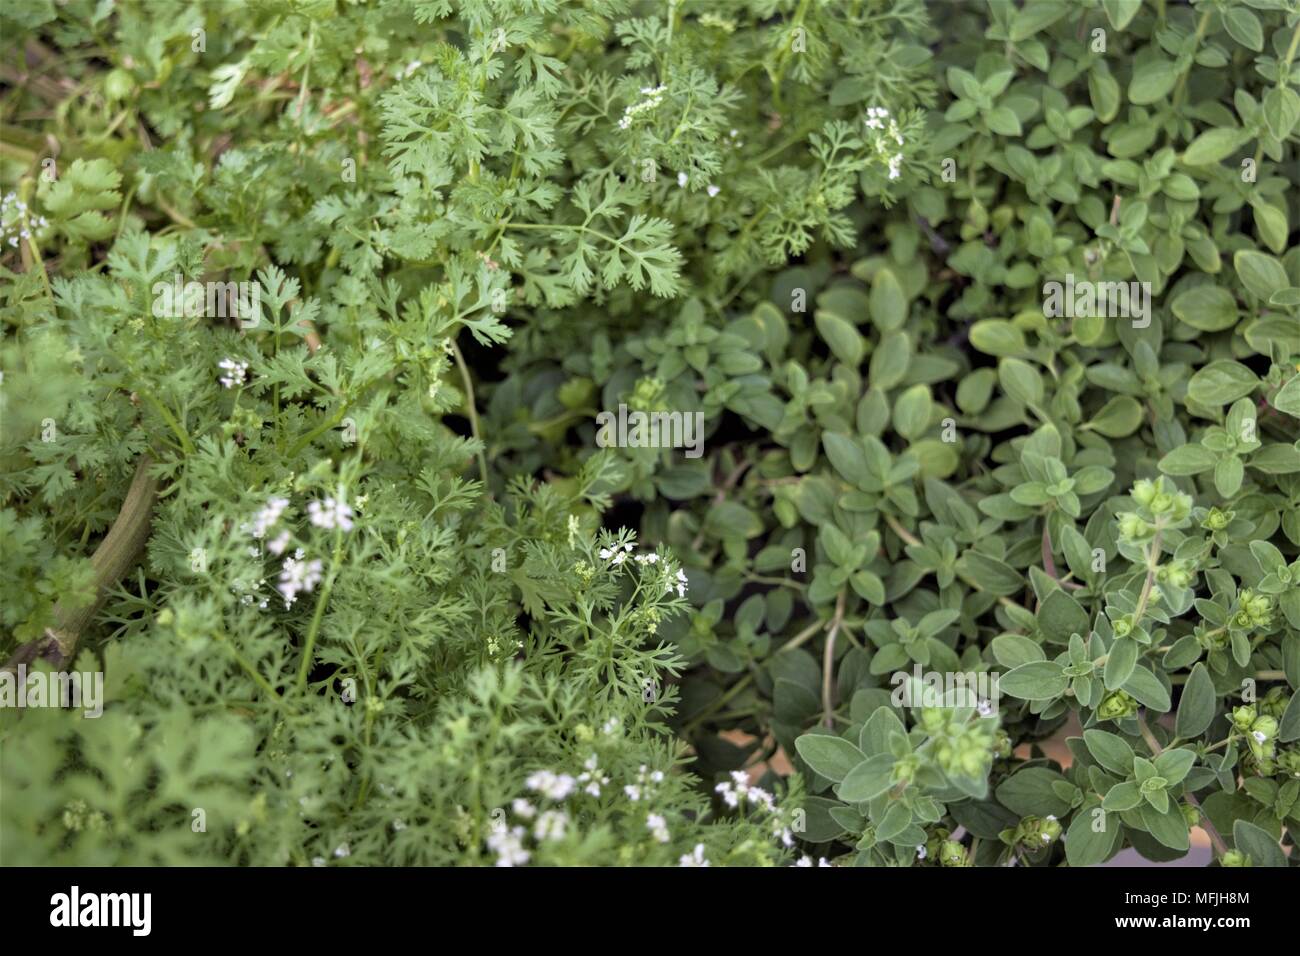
654 95
265 519
592 776
547 824
739 791
508 843
618 554
658 827
806 860
236 372
551 785
645 778
248 595
674 578
508 846
298 575
330 513
11 207
876 117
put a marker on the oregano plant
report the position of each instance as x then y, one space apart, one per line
541 432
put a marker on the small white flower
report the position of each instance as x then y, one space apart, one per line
592 777
399 825
551 825
318 861
330 513
523 808
895 166
633 792
658 827
236 371
279 543
694 858
921 852
712 190
342 850
1259 735
682 180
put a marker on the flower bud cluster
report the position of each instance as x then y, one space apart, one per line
1253 610
1117 705
960 747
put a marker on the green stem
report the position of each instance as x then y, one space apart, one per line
252 672
1153 561
319 430
898 529
828 662
1201 27
335 563
471 411
182 436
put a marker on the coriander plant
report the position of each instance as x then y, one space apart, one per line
571 432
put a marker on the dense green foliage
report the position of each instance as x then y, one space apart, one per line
398 605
